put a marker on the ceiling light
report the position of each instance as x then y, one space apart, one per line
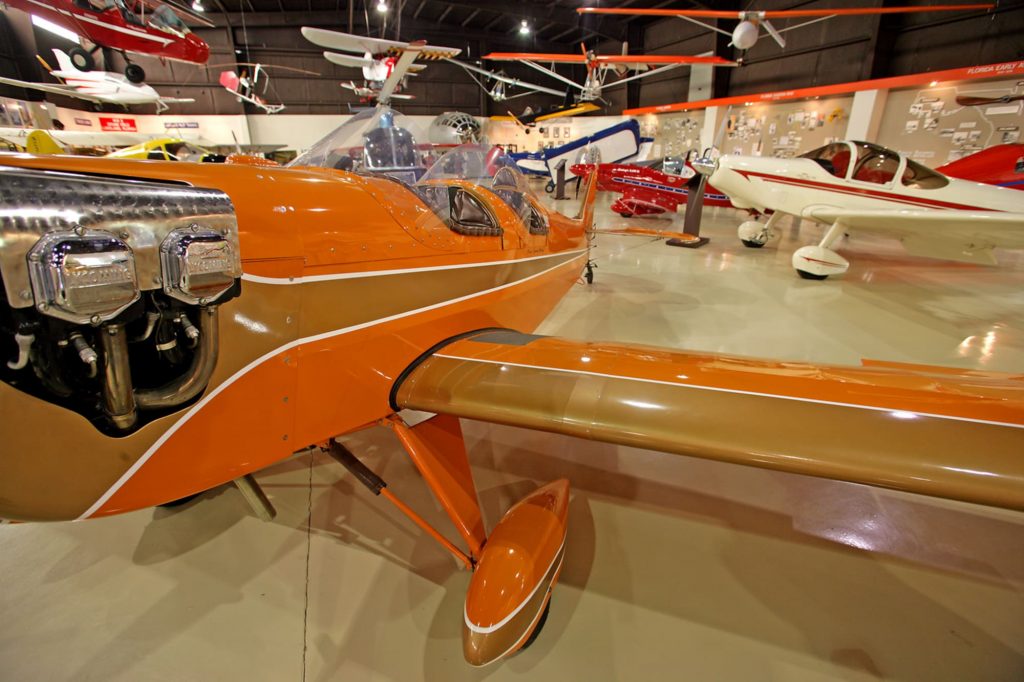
382 6
524 28
197 5
933 84
55 29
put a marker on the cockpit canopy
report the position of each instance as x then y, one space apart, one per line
871 163
455 184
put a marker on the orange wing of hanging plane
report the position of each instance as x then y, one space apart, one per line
654 59
780 14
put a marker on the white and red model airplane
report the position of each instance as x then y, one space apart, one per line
98 87
379 57
859 186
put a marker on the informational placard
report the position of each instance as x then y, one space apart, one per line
83 121
118 125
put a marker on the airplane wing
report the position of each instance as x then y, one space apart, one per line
894 429
409 55
967 236
780 14
347 60
609 60
346 42
66 90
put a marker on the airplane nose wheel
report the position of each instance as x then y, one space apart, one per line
134 73
81 59
810 275
589 274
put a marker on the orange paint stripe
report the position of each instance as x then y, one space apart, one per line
1002 70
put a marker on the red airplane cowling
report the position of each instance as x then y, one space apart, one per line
1001 165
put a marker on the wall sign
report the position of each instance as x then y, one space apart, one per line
118 125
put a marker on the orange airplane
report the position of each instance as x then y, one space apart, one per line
173 327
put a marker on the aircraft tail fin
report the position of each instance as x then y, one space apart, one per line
63 61
40 142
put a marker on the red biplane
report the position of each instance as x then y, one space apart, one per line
151 27
649 188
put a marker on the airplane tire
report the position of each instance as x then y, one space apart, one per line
754 245
81 59
626 215
540 626
550 187
134 73
810 275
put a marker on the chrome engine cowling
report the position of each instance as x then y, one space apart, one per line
112 287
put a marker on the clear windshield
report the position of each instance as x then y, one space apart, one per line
377 141
165 19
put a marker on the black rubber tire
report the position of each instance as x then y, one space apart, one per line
751 245
810 275
626 215
179 502
81 59
550 187
540 626
134 73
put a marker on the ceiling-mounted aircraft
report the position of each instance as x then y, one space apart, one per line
151 27
858 186
252 88
599 66
746 33
139 370
500 81
378 61
98 87
1001 165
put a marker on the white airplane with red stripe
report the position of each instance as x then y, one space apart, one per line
858 186
98 87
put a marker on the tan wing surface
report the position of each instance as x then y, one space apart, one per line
942 433
346 42
967 236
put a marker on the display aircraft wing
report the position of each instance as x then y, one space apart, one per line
687 404
347 60
409 55
66 90
346 42
548 114
780 14
609 60
966 236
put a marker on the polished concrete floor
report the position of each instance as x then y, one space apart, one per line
676 568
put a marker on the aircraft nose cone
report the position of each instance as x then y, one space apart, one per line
198 50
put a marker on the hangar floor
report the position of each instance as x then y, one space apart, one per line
676 568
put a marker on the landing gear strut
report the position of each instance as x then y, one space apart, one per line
589 274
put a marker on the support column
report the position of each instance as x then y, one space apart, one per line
866 114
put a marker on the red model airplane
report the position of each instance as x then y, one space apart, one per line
149 27
1001 165
649 188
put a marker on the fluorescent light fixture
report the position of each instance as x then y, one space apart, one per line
524 28
55 29
197 5
382 6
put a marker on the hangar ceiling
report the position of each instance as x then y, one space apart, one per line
267 31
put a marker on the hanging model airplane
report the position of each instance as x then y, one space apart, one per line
378 61
98 87
151 27
172 327
747 32
853 186
251 89
599 66
501 81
